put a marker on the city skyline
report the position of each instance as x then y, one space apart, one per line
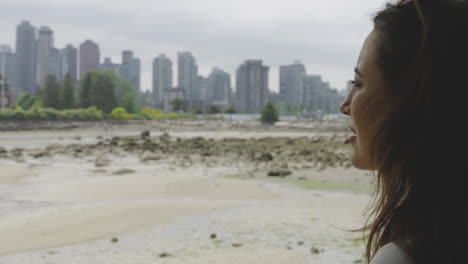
252 87
126 56
275 35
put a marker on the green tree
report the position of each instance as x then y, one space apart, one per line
67 99
269 114
120 113
26 101
125 95
4 87
178 105
2 81
85 90
214 109
129 103
51 93
102 93
230 110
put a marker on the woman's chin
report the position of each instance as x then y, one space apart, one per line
359 163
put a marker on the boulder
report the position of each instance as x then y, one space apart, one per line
279 173
148 156
123 171
145 134
101 161
265 157
2 150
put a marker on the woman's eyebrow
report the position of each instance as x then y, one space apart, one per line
358 72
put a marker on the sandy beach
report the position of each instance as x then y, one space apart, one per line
188 196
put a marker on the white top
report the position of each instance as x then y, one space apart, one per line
391 254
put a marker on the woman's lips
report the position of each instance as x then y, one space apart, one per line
353 138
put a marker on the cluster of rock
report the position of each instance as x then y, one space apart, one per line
276 153
45 125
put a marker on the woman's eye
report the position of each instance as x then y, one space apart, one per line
354 84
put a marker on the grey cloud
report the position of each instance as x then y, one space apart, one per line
214 40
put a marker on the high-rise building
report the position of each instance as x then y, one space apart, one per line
187 77
252 86
130 69
70 63
54 63
127 55
319 97
219 88
7 66
312 91
108 65
25 64
329 99
162 79
292 83
89 57
203 84
45 43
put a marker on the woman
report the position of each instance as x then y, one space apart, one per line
408 105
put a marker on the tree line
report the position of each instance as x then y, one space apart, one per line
101 89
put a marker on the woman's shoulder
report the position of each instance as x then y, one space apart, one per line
391 253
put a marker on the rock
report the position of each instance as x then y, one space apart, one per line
265 157
123 171
213 236
145 134
164 255
114 141
40 154
165 137
279 173
53 147
101 161
314 250
3 150
17 152
148 156
114 240
316 140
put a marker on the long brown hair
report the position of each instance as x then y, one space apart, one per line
422 191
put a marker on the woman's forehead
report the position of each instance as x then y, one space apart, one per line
367 56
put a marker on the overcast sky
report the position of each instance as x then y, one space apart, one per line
325 35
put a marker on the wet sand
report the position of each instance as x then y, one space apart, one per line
64 209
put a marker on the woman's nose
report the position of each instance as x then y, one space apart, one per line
345 106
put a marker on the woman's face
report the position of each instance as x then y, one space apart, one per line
365 104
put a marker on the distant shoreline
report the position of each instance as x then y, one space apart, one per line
320 125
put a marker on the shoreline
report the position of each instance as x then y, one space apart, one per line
191 196
293 125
